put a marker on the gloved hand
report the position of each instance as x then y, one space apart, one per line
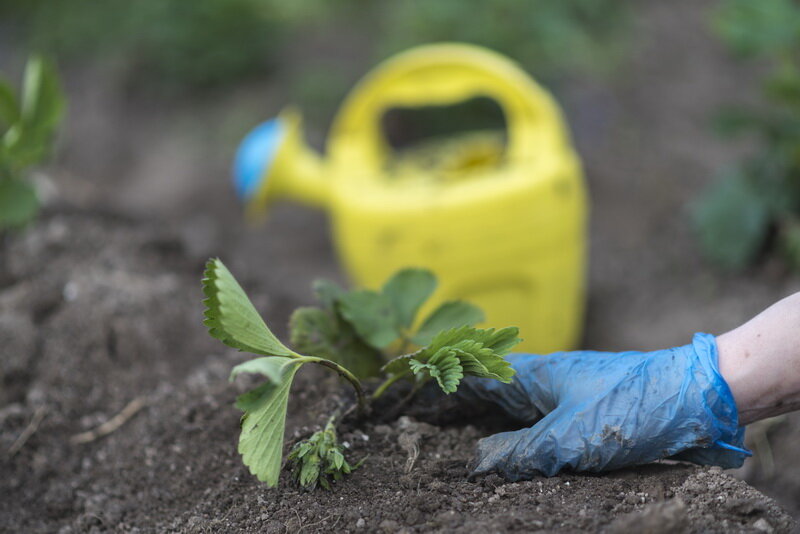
596 411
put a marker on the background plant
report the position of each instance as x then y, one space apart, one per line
351 326
159 45
182 47
756 205
28 120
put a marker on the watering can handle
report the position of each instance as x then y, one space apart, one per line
445 74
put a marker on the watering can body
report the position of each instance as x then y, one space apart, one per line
508 237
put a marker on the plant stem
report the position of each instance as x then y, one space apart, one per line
347 375
386 383
403 345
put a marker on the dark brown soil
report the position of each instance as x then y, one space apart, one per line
99 305
97 310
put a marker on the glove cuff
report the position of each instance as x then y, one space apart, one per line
727 437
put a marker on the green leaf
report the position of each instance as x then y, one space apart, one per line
407 290
449 315
762 27
327 292
42 98
319 459
232 318
444 366
309 472
500 341
314 331
731 219
479 353
263 425
321 333
9 108
250 400
271 367
18 203
398 365
373 316
337 459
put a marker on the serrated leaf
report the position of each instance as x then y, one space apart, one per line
732 220
232 318
407 290
444 366
271 367
319 459
483 362
397 365
299 450
18 203
320 333
261 439
479 351
372 315
500 341
450 314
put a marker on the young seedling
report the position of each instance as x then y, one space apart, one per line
320 459
353 334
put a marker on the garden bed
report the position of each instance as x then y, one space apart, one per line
97 311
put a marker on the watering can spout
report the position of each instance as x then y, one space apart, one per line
274 162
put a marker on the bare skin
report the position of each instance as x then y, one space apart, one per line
760 361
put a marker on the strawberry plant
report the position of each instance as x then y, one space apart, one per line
358 334
27 124
755 206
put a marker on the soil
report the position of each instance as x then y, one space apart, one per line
99 307
98 310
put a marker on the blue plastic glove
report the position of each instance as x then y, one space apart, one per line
598 411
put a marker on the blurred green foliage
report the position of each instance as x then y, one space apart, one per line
738 216
27 124
167 45
548 38
186 45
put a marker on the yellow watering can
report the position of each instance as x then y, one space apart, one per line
501 224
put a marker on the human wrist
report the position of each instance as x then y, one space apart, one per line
762 383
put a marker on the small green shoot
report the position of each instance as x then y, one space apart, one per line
345 335
319 460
